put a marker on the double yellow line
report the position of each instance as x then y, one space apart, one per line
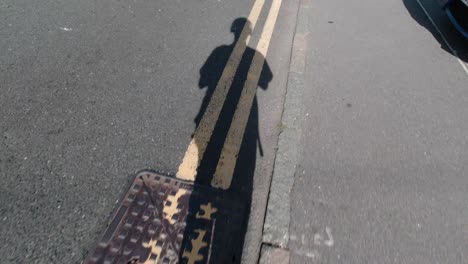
227 162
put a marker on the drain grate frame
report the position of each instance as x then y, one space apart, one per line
162 219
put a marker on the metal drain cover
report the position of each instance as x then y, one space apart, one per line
166 220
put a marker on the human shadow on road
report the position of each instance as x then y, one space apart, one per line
417 13
221 240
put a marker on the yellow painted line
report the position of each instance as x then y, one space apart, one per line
196 149
227 162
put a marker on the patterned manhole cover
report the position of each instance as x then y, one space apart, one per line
166 220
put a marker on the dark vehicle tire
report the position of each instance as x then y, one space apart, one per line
457 12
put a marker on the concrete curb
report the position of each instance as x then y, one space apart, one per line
276 226
273 255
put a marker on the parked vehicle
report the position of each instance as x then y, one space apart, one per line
457 12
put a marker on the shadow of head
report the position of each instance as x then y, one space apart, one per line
241 28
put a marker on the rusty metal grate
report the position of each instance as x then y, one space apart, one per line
166 220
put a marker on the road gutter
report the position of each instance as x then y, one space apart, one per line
276 226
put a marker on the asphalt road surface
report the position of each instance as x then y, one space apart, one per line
92 92
383 176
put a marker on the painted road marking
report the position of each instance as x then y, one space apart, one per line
454 52
196 149
227 162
